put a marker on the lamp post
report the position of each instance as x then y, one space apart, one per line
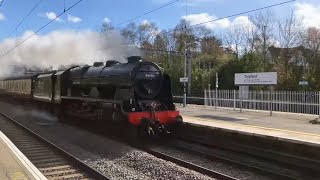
264 45
184 75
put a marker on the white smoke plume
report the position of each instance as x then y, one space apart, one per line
63 48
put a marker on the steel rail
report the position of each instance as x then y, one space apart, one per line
92 173
194 150
185 164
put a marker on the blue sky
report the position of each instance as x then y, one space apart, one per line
72 39
90 14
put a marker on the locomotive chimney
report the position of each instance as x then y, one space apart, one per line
97 64
134 59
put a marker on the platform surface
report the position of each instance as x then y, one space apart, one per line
14 165
287 126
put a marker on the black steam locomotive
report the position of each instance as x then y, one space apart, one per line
136 93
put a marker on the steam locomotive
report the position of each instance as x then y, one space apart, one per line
136 93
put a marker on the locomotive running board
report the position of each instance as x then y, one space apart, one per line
89 99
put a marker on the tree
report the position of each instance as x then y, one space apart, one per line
107 26
211 52
289 31
182 34
234 39
311 41
289 36
146 32
201 32
169 39
263 23
160 43
130 32
210 45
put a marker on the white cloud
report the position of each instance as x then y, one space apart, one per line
205 17
189 1
238 22
310 13
275 42
203 1
74 19
2 17
242 22
52 16
106 20
145 22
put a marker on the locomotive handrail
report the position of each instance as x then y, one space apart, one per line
91 99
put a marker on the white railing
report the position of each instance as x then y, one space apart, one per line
305 102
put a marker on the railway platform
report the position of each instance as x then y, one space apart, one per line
14 165
282 132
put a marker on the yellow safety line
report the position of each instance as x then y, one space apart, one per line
261 127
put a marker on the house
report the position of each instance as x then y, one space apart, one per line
295 56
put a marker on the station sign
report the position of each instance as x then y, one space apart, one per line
265 78
189 54
184 79
303 83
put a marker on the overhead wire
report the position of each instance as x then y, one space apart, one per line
42 27
25 17
146 13
245 12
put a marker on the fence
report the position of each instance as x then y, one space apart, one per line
306 102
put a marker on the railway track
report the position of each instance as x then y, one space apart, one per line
51 160
242 160
147 147
183 163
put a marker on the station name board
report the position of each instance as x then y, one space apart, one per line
265 78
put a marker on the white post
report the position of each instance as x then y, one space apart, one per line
205 98
209 94
213 97
234 99
271 100
216 92
319 104
240 98
216 99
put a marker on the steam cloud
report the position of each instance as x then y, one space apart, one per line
63 48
